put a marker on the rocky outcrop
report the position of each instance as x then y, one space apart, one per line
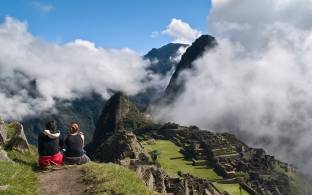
2 133
4 156
122 145
12 136
18 140
118 147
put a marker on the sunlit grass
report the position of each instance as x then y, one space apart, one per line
233 189
112 179
19 178
172 161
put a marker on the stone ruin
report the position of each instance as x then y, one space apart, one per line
252 168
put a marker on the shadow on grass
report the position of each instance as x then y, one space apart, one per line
34 166
175 158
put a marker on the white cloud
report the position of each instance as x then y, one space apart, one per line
60 71
43 7
254 17
181 31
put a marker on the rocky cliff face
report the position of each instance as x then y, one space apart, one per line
196 50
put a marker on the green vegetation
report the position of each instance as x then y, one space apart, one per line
172 161
233 189
10 129
19 177
112 179
28 158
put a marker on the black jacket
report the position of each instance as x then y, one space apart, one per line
48 146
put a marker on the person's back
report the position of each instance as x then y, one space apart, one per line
74 143
48 146
49 142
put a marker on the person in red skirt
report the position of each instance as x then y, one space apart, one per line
49 146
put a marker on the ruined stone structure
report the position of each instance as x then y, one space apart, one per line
257 172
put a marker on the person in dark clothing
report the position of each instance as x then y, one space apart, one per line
74 143
49 145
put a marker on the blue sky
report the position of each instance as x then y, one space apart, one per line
107 23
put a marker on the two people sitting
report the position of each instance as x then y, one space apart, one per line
53 149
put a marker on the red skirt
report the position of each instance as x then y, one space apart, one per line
56 159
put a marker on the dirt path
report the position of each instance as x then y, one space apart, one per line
65 181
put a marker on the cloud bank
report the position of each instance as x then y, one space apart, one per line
258 82
181 31
34 74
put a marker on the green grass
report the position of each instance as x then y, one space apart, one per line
233 189
16 179
28 158
19 178
172 161
112 179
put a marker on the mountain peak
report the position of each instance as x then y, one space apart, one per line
195 51
119 114
164 56
165 51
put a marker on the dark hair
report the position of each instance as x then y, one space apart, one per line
51 126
